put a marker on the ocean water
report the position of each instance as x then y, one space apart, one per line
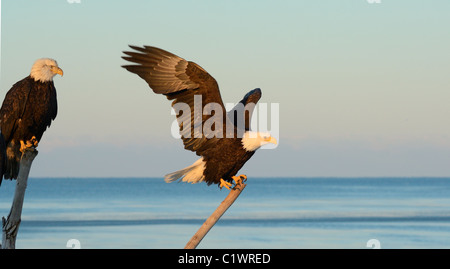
270 213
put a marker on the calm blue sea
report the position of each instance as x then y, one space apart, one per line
270 213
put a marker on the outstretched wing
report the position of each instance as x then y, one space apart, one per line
241 114
189 86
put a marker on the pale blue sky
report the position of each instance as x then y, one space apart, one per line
363 89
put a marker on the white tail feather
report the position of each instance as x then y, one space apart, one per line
191 174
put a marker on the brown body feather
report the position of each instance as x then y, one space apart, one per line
27 110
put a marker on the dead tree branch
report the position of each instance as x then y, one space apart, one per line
211 221
10 226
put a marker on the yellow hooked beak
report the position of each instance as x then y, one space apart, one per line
57 70
271 140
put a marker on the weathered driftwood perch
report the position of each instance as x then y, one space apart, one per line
211 221
10 226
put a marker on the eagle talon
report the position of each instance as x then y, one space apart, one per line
225 184
32 143
238 180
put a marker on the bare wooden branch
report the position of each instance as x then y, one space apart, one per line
211 221
11 224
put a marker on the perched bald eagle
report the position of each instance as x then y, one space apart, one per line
223 144
27 110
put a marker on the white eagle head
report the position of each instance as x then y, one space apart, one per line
45 69
254 140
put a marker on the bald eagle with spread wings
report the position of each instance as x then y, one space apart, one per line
223 140
28 109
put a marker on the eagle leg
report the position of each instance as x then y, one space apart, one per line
28 144
225 184
23 146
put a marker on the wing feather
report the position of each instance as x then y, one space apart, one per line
180 81
241 114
